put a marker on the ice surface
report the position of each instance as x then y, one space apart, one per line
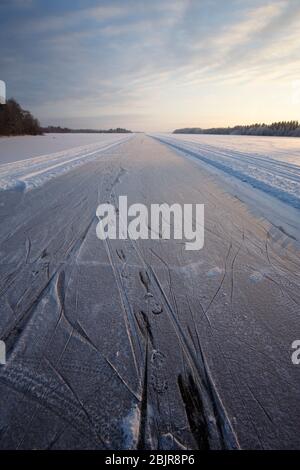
90 363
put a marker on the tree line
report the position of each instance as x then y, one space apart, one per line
14 120
66 130
281 128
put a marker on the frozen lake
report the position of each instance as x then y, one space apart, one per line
130 344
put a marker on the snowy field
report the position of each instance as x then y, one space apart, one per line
28 146
271 164
22 170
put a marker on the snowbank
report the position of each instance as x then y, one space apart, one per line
270 164
27 173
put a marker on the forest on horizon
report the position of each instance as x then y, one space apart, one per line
280 128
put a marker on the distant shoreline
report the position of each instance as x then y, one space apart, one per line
66 130
14 120
276 129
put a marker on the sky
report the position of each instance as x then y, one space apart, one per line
152 65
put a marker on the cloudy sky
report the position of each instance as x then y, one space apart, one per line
152 65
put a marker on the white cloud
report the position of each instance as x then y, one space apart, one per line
54 23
